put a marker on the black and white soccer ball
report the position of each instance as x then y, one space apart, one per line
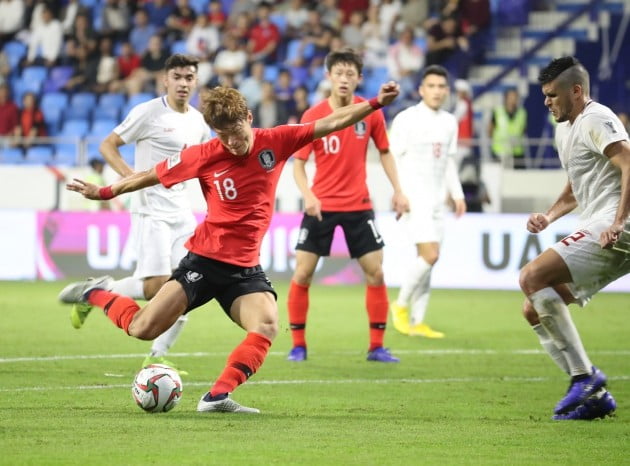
157 388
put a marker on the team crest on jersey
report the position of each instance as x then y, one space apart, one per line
611 127
267 159
192 277
360 128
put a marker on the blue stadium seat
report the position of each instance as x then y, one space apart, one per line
271 73
74 128
58 77
81 106
53 104
111 99
39 155
179 46
11 155
280 20
15 51
35 74
102 127
20 87
135 100
200 6
109 106
65 154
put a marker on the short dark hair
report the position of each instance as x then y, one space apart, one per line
179 60
556 67
434 69
345 55
569 70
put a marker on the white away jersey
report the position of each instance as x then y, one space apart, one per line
423 140
595 181
159 132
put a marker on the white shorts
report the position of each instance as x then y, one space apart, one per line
424 225
591 267
159 243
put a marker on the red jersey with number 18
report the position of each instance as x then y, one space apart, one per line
340 159
240 191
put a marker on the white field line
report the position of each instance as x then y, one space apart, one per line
438 352
453 380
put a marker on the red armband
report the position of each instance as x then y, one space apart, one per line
374 103
106 193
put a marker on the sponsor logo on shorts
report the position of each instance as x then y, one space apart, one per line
192 277
302 235
267 159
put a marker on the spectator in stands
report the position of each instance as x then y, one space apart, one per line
11 19
107 67
148 78
330 15
348 6
116 19
216 15
85 71
507 130
231 59
9 112
296 15
404 62
181 21
128 60
375 43
448 46
239 27
463 112
251 86
351 31
68 14
31 122
298 104
46 40
270 111
5 67
158 12
414 14
203 41
264 37
389 13
283 87
475 18
141 32
82 32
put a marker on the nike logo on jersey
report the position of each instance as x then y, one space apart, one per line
218 174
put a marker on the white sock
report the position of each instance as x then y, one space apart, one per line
129 286
163 343
412 280
549 346
555 317
420 300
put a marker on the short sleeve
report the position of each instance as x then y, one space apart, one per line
134 125
181 166
601 130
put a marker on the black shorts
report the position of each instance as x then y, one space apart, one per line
204 279
359 228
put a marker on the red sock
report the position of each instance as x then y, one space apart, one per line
377 304
120 309
297 305
242 363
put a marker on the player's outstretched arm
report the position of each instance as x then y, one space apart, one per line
350 114
128 184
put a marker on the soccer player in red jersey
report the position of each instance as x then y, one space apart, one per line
339 196
238 172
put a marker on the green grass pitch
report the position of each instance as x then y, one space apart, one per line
484 395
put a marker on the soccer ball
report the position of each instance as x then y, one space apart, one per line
157 388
